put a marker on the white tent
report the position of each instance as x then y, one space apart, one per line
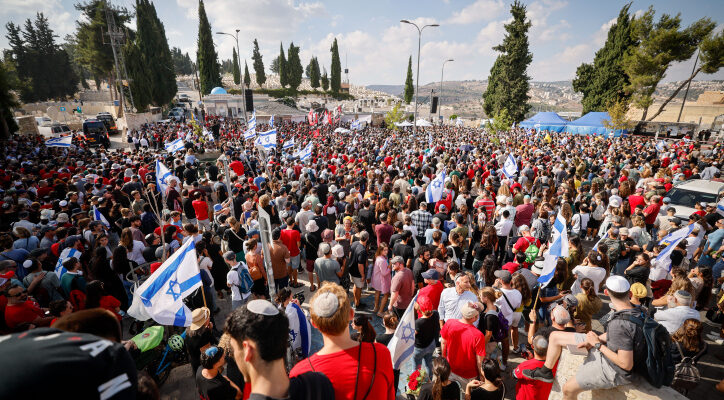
341 130
403 124
422 122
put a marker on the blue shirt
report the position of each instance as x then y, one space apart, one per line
714 240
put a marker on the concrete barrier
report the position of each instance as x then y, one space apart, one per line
639 389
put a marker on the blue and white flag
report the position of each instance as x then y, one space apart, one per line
384 146
288 144
306 152
595 247
300 331
249 134
720 207
64 141
271 121
402 343
356 125
251 125
175 146
67 253
660 146
268 139
677 237
97 216
162 176
161 296
559 245
510 168
549 269
434 190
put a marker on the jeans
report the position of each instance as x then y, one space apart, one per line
717 269
621 266
420 354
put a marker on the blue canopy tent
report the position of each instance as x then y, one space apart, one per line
545 121
592 124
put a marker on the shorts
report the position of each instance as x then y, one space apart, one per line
516 319
310 265
598 373
295 261
359 283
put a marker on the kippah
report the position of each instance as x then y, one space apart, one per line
326 304
263 307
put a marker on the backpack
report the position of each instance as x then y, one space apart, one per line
501 328
686 374
658 368
531 253
245 281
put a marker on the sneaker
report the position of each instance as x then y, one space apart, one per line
538 374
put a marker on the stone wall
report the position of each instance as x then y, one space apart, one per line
640 389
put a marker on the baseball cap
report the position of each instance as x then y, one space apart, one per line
570 300
523 228
397 259
431 274
503 275
471 310
617 284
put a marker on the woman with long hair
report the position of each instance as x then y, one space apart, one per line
362 329
592 267
441 387
96 297
702 281
100 269
133 247
588 302
484 248
491 387
381 278
486 274
639 270
687 342
520 284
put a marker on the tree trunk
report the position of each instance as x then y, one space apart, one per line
643 117
676 92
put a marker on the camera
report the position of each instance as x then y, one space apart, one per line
299 296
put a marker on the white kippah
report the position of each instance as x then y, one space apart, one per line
263 307
325 305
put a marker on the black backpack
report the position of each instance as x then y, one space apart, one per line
686 374
658 366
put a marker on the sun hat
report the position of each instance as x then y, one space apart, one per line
199 318
312 226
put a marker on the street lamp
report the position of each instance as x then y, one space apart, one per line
419 40
238 60
439 103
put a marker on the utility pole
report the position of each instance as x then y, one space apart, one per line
116 37
419 41
241 73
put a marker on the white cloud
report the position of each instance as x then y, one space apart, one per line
480 10
599 38
561 66
25 6
61 21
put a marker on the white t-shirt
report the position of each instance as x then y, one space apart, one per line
514 297
232 278
596 274
137 253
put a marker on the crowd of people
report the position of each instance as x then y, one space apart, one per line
81 226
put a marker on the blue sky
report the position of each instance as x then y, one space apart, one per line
376 45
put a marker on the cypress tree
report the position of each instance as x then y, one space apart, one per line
206 57
282 66
235 67
336 72
509 82
260 76
7 102
314 73
247 78
409 88
294 69
165 88
325 80
137 69
603 82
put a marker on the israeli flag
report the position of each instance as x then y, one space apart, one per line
64 141
288 144
559 246
510 168
434 190
300 331
67 253
271 121
356 125
595 247
162 176
660 146
720 207
249 134
402 343
384 146
306 152
175 146
97 216
268 139
677 236
251 124
161 296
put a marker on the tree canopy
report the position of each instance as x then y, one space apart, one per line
409 85
260 76
208 63
336 68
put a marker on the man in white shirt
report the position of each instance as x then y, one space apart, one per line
507 303
233 280
452 298
304 216
673 317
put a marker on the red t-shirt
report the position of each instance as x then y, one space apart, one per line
527 389
201 208
290 238
238 167
463 343
511 267
523 243
433 293
635 200
21 313
342 369
653 211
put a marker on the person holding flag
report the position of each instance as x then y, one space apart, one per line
435 188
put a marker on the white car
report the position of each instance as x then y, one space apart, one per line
43 121
686 194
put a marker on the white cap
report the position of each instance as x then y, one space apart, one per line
617 284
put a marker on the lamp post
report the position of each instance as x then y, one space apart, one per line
238 61
439 103
419 40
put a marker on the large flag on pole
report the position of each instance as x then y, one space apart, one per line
677 235
288 144
161 296
306 152
435 188
510 168
271 121
64 141
97 216
250 131
175 146
356 125
162 175
559 248
268 139
402 343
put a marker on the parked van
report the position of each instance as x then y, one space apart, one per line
95 133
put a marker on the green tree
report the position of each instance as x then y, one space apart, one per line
509 82
140 84
206 57
314 73
711 60
325 80
336 68
235 67
260 76
153 46
282 66
247 78
395 115
409 85
7 103
617 110
181 62
274 67
660 44
70 46
502 121
293 67
603 81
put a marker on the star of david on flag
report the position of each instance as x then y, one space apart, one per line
268 139
434 190
402 343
